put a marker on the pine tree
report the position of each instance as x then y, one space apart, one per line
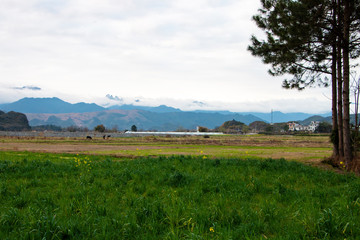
310 40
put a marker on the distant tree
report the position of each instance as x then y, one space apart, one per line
269 129
134 128
324 127
181 129
203 129
355 88
75 128
245 129
71 128
47 128
114 128
258 126
100 128
281 127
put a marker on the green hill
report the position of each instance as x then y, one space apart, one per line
232 126
13 121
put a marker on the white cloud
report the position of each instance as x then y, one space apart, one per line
32 88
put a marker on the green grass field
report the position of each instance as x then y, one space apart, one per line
64 196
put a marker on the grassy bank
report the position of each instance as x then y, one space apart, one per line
62 196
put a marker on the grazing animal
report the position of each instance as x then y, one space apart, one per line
104 137
108 136
88 137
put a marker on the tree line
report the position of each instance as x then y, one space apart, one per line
315 42
236 127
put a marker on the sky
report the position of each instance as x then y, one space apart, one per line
181 53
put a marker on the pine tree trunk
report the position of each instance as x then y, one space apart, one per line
335 128
340 102
346 90
339 80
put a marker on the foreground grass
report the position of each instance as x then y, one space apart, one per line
59 196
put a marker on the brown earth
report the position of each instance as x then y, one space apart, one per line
76 145
67 148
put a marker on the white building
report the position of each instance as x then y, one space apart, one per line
298 127
313 125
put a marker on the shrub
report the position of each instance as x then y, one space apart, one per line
134 128
100 128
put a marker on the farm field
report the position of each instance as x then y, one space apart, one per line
223 187
310 149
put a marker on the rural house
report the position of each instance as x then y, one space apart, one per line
293 126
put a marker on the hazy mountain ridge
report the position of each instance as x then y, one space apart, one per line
158 109
276 116
54 111
49 105
316 118
124 119
56 105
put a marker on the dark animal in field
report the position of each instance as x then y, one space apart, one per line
106 136
88 137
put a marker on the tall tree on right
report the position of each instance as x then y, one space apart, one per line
311 40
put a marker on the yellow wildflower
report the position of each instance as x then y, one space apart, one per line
212 229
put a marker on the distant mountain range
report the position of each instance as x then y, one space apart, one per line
159 109
316 118
277 117
54 111
49 105
146 120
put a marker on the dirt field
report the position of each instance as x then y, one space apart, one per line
310 149
307 149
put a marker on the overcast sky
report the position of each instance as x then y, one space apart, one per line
181 53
